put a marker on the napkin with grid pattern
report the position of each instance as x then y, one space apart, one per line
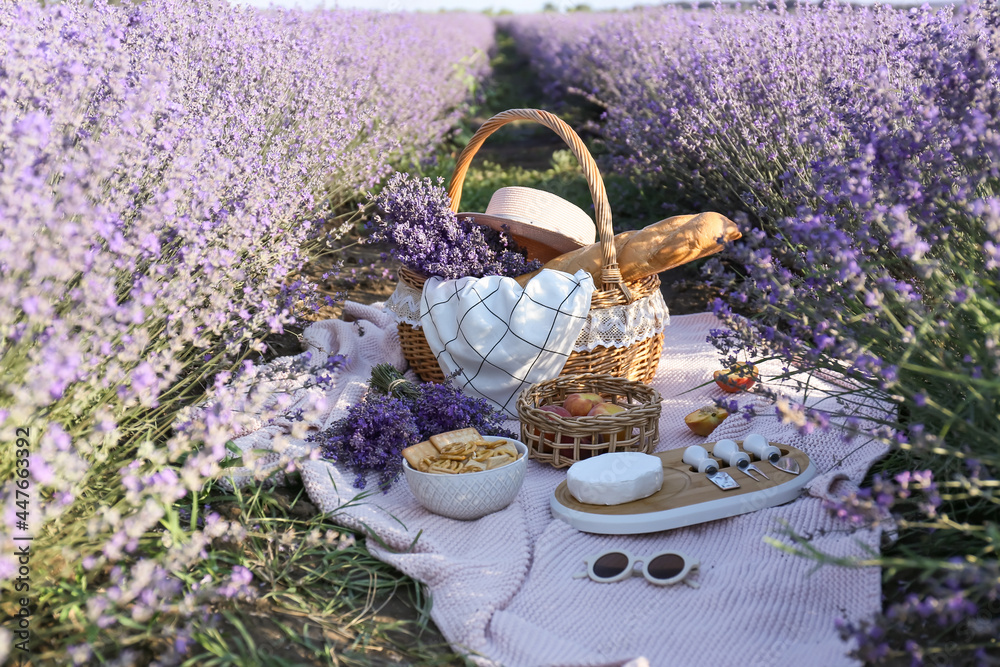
498 337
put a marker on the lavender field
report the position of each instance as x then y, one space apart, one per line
165 167
166 170
862 146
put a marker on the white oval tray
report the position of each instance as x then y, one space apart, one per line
686 497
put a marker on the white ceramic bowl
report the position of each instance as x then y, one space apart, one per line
469 495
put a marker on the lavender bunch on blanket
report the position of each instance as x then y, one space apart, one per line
395 414
439 408
428 237
371 438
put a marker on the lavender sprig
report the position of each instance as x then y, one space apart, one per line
387 379
443 407
440 407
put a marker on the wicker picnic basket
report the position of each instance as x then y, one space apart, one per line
636 361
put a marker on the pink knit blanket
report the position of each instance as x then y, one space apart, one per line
503 588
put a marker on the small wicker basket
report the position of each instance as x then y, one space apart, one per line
561 441
637 361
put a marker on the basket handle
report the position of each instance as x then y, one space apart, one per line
611 276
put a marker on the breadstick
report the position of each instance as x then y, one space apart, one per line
661 246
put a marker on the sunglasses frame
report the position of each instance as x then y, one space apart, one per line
689 566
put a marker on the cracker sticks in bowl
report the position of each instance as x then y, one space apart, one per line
460 451
464 475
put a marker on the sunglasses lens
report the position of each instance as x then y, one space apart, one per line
666 566
610 565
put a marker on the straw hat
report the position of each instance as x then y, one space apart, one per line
543 223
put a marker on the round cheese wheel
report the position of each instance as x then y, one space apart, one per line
615 478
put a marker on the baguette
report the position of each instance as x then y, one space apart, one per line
659 247
587 258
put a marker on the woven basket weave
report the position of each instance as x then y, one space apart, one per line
561 441
637 361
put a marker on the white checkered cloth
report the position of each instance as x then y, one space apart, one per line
499 337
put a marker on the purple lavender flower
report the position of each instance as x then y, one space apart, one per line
443 407
428 237
373 434
857 148
164 165
371 438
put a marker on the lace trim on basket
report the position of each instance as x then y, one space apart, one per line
617 326
621 326
404 303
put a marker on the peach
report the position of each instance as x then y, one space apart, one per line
580 404
704 420
568 453
556 410
610 409
738 378
606 409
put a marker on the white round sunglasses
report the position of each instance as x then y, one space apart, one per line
663 569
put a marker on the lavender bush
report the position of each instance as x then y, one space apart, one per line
161 167
860 149
553 44
710 107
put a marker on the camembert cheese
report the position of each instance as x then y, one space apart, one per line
615 478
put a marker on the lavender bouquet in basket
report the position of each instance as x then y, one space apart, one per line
428 237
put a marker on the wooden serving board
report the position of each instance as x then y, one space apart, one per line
687 497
